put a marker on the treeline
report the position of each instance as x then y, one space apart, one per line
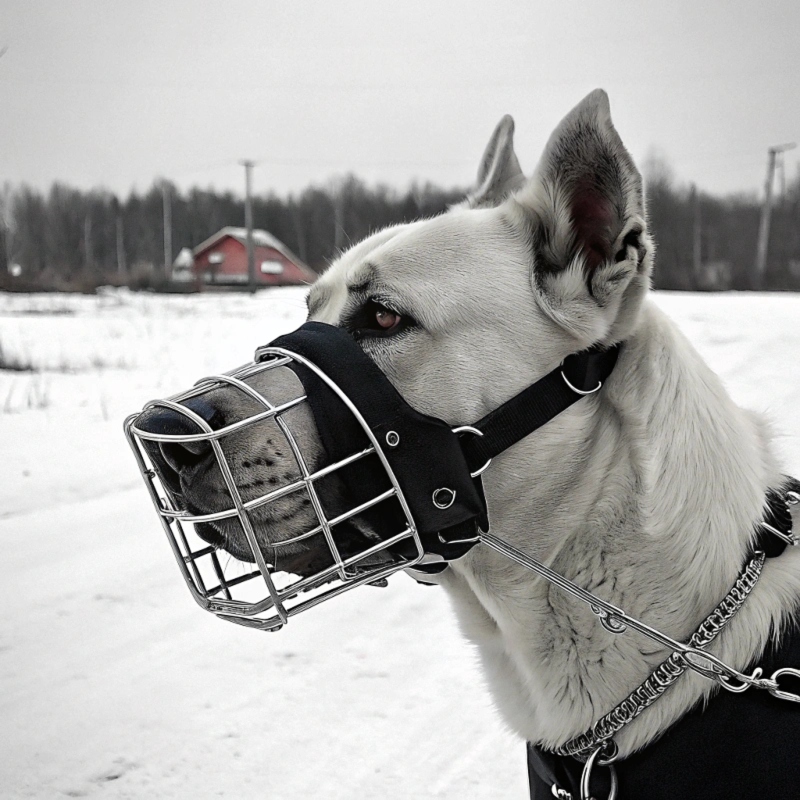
709 243
69 238
76 240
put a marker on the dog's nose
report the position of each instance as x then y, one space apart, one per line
180 455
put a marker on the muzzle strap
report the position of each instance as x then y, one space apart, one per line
381 488
423 451
579 375
429 456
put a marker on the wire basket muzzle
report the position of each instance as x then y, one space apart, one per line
336 511
276 580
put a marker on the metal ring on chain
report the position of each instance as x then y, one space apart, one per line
776 692
586 775
644 695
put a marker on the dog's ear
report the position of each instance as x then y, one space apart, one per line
499 173
585 211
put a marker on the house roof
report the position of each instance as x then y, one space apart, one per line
261 238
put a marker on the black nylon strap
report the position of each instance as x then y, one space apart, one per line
538 404
427 457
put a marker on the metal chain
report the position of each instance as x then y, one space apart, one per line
668 671
616 621
597 744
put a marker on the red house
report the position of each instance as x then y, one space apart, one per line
222 260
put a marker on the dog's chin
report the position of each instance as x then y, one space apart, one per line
303 559
295 559
299 559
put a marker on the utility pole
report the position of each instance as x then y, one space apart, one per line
9 248
248 223
300 232
697 237
7 221
338 215
88 250
121 266
166 195
766 213
117 211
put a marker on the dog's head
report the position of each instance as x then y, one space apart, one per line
460 312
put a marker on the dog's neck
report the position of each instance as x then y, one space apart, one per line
646 496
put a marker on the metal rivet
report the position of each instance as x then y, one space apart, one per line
393 438
444 497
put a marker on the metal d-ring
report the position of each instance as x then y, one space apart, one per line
586 775
580 391
776 692
470 429
611 623
444 497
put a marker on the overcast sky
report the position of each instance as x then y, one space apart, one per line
112 93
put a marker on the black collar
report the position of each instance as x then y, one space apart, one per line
774 532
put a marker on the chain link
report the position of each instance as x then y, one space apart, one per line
671 669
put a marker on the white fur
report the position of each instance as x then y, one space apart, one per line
645 494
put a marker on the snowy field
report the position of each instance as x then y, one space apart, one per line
114 683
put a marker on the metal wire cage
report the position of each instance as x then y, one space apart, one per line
257 594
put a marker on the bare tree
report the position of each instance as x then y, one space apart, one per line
7 223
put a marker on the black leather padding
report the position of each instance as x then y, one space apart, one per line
428 456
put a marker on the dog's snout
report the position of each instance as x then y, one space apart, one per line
184 455
160 420
167 421
206 411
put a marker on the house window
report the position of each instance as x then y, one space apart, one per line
271 268
216 258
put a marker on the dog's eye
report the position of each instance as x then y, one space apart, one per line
376 319
386 318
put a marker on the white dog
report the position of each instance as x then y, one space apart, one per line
646 493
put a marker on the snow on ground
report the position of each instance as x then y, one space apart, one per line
114 683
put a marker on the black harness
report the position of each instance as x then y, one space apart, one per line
741 747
